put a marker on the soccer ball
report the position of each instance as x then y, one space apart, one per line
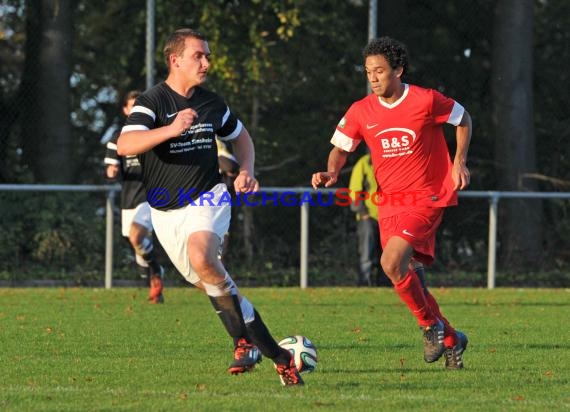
303 351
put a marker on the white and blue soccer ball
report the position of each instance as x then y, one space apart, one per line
303 351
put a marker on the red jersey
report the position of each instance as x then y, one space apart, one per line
409 154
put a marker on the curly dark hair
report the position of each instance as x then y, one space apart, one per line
394 51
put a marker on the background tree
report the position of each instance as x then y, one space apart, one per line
12 41
513 121
46 129
552 122
108 61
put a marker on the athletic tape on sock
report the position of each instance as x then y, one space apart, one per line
140 261
224 288
144 248
247 310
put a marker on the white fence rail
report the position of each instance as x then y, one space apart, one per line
111 190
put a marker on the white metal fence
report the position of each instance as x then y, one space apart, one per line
111 191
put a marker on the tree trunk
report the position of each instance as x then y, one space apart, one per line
520 228
46 127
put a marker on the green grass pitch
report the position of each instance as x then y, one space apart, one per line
108 350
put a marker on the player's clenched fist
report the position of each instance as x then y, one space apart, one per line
245 183
183 121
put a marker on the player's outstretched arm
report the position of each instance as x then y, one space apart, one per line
337 159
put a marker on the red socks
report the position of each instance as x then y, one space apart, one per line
450 338
412 294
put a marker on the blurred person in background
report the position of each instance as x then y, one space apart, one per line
136 223
229 169
362 179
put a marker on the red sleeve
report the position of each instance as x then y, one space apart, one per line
347 134
441 107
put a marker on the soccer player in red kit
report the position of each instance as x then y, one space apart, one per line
402 124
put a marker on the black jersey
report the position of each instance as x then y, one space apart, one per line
132 189
187 164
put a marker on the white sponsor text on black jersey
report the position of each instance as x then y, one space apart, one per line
185 166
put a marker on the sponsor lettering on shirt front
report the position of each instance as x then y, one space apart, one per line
396 141
202 143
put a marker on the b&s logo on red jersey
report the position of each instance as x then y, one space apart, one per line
396 141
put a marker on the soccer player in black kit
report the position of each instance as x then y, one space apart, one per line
136 223
172 129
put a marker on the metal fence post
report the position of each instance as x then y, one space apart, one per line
109 239
304 244
492 251
150 37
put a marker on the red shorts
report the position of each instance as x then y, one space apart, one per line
418 227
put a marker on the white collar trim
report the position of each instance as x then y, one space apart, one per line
397 102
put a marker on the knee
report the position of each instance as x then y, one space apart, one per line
135 241
202 249
389 265
201 263
392 268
